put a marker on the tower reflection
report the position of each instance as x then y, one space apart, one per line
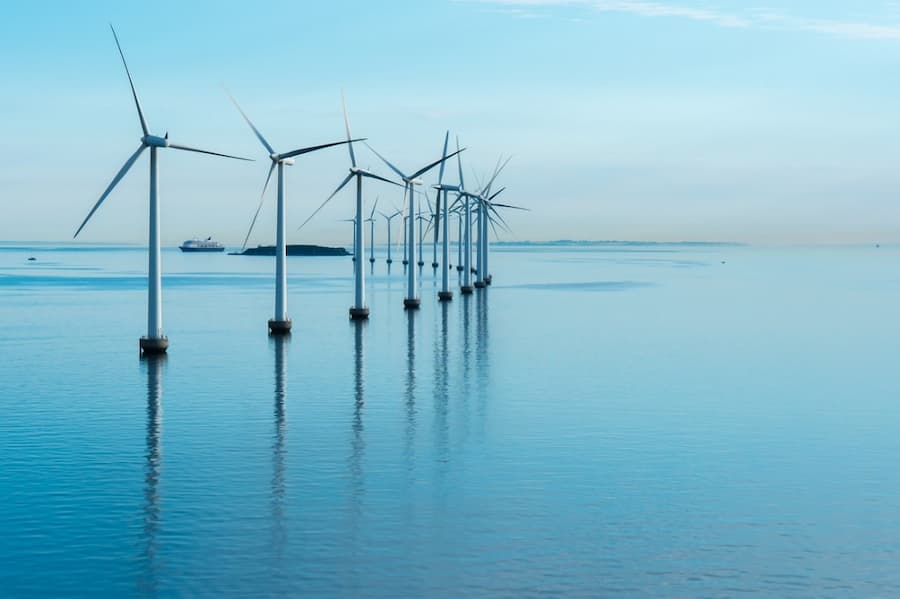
153 364
410 386
279 452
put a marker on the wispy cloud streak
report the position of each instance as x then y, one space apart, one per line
756 18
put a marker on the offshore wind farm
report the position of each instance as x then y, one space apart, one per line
571 314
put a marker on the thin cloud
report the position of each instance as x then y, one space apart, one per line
757 18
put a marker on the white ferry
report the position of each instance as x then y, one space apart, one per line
201 245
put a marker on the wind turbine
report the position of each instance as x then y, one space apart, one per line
486 206
420 216
281 323
411 301
481 198
466 287
444 294
371 221
359 310
155 341
389 218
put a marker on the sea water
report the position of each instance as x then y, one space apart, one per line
635 420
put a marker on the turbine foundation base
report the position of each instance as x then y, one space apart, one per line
466 290
154 345
372 260
459 269
445 296
359 313
421 263
405 262
389 261
411 303
280 327
434 265
480 284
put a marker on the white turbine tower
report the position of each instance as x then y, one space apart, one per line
281 323
371 221
359 310
442 222
411 301
155 341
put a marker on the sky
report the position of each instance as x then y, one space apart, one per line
668 120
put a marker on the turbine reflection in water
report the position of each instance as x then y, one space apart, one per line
279 452
357 442
410 388
153 364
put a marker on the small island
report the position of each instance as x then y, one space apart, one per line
294 249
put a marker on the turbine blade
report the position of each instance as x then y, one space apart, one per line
462 185
109 188
391 166
259 135
334 193
315 148
347 126
137 102
190 149
441 160
374 176
262 198
444 156
372 214
497 215
502 189
497 171
494 229
512 207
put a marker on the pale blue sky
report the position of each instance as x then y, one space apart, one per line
667 119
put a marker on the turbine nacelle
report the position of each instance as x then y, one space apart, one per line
414 181
154 141
276 158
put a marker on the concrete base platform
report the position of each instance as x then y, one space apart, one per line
389 261
445 296
372 260
466 290
459 269
489 279
154 345
411 304
359 313
420 263
480 285
434 265
405 262
280 327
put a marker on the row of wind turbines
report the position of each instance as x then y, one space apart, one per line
479 201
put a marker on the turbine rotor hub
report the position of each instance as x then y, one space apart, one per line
154 141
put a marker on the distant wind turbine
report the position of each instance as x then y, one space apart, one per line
371 221
359 310
155 341
442 219
412 300
281 323
389 218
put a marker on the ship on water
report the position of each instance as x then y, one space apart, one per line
201 245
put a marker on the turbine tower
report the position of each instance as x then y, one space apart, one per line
280 324
359 310
411 301
155 341
371 221
443 220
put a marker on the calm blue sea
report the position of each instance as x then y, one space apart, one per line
606 420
